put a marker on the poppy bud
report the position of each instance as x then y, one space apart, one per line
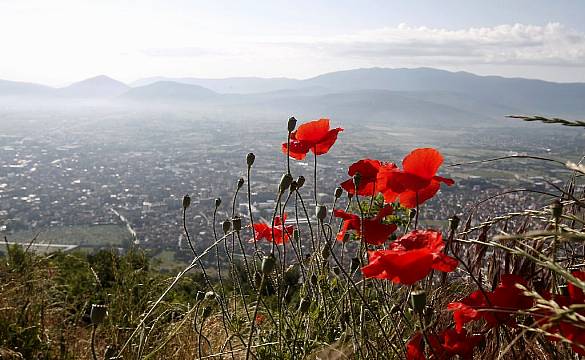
250 159
292 124
237 223
285 182
346 237
412 213
326 251
321 211
186 201
226 225
454 222
418 300
292 275
314 280
258 279
357 178
293 186
355 264
98 314
206 312
338 192
217 202
296 234
240 183
268 264
304 305
300 181
210 295
557 209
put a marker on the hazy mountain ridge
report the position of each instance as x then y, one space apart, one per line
424 96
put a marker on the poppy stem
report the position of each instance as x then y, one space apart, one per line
288 153
315 175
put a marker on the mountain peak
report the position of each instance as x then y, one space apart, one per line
98 86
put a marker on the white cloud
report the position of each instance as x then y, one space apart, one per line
551 44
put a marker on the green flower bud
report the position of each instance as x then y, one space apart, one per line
338 192
293 186
418 300
557 209
226 225
285 182
321 211
206 312
268 264
186 201
98 314
217 202
454 222
250 159
296 234
240 183
357 178
237 223
300 181
304 305
292 124
326 251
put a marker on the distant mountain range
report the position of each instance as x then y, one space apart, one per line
421 95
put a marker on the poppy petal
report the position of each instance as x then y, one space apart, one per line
423 162
323 145
313 131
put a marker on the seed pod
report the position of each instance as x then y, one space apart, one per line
98 314
292 124
186 201
326 251
285 182
300 181
237 223
557 209
268 264
338 192
418 300
217 202
250 159
304 305
226 225
206 312
454 222
240 183
321 211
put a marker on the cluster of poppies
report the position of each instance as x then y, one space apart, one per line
412 256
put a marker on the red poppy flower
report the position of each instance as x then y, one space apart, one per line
444 345
499 307
375 231
281 232
417 182
368 170
410 258
313 136
567 329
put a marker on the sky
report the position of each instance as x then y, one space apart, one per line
62 41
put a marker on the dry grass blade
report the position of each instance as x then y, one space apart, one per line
574 123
